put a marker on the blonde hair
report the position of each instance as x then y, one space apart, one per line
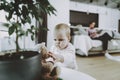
62 27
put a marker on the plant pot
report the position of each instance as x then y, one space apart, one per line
15 67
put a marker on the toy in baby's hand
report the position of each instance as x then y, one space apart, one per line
48 71
44 52
42 49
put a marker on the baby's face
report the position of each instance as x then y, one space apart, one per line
61 40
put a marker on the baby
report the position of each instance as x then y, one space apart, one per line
62 47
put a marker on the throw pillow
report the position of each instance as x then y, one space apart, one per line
116 35
82 30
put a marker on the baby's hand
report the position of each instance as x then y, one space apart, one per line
57 57
52 55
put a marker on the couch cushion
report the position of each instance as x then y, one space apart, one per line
111 46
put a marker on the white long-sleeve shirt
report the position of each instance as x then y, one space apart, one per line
93 33
68 55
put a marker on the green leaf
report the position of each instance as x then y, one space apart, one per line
32 37
23 21
10 16
29 30
32 26
11 30
45 29
24 11
28 19
6 24
60 79
21 34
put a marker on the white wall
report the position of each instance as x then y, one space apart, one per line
62 16
108 18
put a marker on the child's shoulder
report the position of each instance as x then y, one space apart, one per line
71 46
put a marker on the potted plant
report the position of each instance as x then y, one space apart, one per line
21 65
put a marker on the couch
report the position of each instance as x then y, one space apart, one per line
85 46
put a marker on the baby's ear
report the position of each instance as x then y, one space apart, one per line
69 38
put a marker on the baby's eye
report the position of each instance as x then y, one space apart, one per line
59 40
54 39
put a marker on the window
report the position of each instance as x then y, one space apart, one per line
83 18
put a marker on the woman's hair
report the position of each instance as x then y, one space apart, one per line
92 22
62 27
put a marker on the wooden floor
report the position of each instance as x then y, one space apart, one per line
99 67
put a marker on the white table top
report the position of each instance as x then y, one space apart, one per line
69 74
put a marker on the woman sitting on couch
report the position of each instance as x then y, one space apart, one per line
94 35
